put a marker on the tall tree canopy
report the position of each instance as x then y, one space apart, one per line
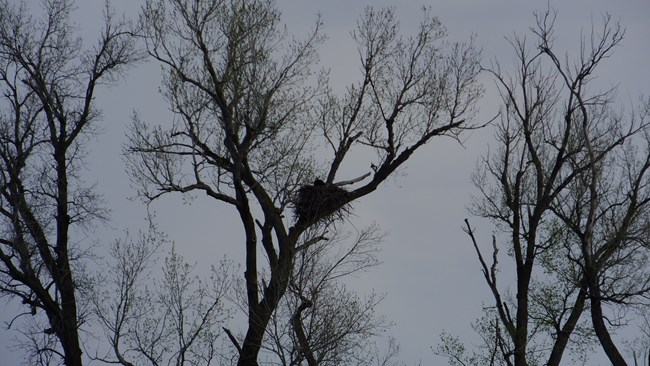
255 122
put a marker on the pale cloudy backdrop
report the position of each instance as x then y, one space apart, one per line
429 272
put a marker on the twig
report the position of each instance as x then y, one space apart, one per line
351 181
232 339
311 242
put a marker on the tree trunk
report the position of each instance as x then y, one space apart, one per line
258 319
71 348
260 314
563 335
600 328
521 336
303 342
70 332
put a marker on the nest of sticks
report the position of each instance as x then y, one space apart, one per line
321 202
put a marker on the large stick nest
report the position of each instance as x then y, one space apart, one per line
321 201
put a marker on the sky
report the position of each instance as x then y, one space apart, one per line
429 271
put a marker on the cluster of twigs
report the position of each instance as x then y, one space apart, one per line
321 202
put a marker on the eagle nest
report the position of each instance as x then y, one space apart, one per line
321 201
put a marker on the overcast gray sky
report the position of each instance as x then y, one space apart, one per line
429 272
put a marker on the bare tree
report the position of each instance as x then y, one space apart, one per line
116 296
567 188
320 321
607 206
251 113
48 83
488 353
174 320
